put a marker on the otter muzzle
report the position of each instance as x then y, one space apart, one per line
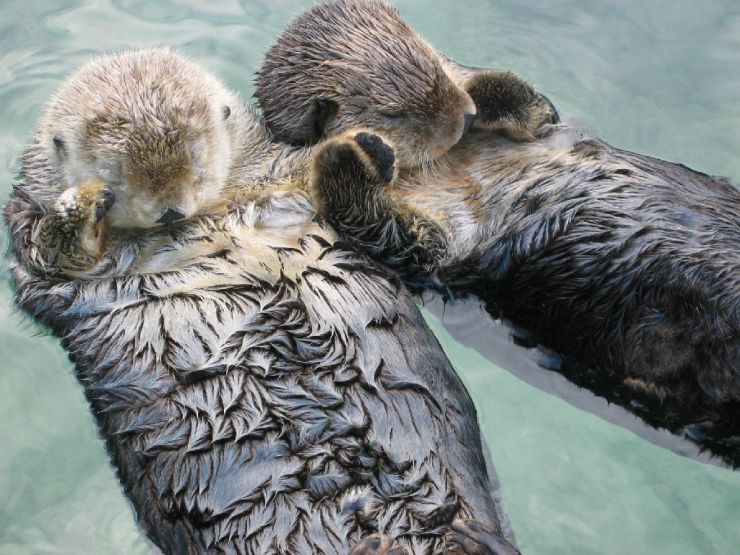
469 120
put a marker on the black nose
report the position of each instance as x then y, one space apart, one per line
469 119
170 216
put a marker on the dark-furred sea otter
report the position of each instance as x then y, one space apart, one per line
628 265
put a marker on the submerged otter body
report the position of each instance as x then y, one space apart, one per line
628 265
260 388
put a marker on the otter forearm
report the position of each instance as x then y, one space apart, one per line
39 291
67 237
396 235
349 183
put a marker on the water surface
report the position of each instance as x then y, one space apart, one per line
659 77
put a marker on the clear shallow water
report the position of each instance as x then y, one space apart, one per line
661 78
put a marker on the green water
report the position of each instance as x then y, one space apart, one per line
659 77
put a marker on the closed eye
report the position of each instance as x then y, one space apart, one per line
392 113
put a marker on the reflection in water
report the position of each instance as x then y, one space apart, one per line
468 322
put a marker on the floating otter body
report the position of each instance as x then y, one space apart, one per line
627 264
260 388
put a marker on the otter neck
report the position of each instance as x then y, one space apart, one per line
258 160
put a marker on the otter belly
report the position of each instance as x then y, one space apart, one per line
262 390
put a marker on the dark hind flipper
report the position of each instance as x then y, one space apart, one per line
349 180
377 545
472 538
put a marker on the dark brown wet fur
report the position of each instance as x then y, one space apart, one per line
626 264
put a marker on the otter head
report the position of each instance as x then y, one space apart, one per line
149 124
356 64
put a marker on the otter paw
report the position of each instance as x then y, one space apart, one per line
349 169
471 537
377 545
74 232
499 96
379 153
508 104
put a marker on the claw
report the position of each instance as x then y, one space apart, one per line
104 205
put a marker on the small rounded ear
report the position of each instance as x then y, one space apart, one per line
226 111
59 146
324 110
58 142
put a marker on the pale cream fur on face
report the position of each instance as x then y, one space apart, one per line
152 126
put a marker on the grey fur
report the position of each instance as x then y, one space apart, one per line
627 264
260 388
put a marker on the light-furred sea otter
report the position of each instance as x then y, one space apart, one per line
624 263
261 389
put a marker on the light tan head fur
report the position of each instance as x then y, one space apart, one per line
151 126
356 63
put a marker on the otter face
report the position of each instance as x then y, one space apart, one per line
152 127
422 125
158 172
348 64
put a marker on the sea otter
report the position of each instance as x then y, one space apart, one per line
628 265
260 388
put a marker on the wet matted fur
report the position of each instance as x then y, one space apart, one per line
260 388
628 265
625 263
